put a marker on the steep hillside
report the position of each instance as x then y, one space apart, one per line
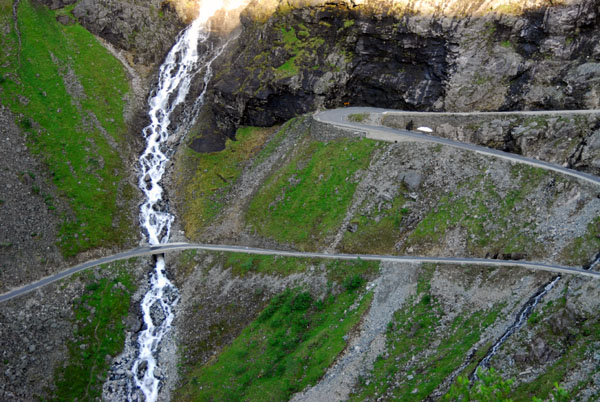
57 343
69 143
309 187
257 169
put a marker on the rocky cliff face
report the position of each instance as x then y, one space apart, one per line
568 139
295 56
456 57
147 29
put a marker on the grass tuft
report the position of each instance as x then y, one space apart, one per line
358 117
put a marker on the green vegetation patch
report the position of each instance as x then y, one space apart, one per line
100 332
69 93
490 386
336 270
421 352
377 231
206 179
289 68
358 117
300 45
289 347
494 223
242 264
306 201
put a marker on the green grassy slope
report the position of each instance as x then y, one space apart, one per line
204 180
100 332
293 340
306 201
68 92
304 197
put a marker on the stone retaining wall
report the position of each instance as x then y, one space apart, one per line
567 138
327 132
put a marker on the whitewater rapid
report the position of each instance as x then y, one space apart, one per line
182 64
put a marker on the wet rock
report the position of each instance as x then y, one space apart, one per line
157 314
142 367
134 324
160 206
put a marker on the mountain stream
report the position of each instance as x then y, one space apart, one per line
182 64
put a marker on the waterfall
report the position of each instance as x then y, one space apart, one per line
522 316
182 64
520 319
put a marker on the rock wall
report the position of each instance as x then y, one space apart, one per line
147 29
309 55
570 139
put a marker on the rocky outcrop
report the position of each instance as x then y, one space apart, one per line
545 58
315 54
325 55
147 29
569 139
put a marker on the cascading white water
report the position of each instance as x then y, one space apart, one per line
181 65
520 319
157 305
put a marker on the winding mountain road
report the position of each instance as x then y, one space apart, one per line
170 247
339 118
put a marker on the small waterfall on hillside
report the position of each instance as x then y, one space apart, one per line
521 317
182 64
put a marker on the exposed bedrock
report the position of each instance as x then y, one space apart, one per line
146 29
568 139
333 54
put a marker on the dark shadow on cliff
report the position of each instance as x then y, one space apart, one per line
333 55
